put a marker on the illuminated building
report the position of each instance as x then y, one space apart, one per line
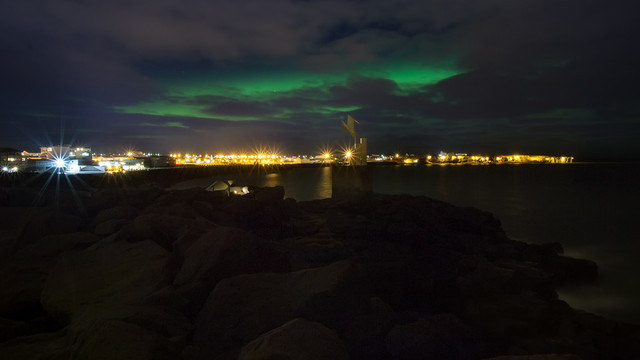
8 155
82 154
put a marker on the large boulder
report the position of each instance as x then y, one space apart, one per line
174 208
298 339
570 270
364 335
221 253
47 223
437 337
269 194
110 226
313 251
164 230
119 212
118 280
242 307
49 346
115 339
18 196
12 220
22 277
266 218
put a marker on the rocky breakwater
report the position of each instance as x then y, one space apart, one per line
155 274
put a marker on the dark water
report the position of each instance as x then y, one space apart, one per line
590 208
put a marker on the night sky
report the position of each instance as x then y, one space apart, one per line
495 76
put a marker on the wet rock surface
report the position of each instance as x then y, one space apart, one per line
158 274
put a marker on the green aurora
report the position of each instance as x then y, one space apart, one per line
183 97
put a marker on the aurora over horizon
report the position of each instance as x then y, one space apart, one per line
421 76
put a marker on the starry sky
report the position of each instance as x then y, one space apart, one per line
495 76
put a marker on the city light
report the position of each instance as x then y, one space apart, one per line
81 160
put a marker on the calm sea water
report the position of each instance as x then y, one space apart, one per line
590 208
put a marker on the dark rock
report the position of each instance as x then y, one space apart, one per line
18 196
109 227
167 252
268 220
569 270
437 337
22 277
162 229
121 272
107 198
12 220
50 346
178 209
116 213
189 235
302 226
10 329
364 335
118 280
241 308
506 316
184 196
115 339
310 252
47 223
269 194
630 346
224 252
298 339
203 208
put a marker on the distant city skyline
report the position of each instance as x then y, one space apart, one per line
421 76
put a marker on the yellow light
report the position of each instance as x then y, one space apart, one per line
327 155
348 154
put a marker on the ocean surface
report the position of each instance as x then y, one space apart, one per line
592 209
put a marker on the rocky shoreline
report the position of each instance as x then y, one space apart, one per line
156 274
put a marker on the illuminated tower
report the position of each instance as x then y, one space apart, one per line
358 153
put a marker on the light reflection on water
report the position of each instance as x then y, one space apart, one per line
273 179
301 184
